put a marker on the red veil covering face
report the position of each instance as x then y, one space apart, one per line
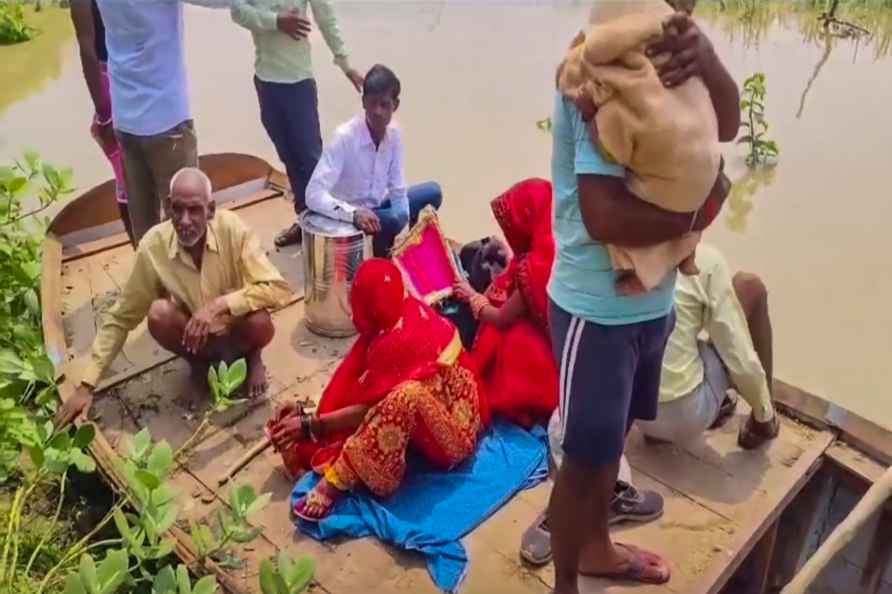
521 381
400 339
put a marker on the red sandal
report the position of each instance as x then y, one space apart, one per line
643 567
323 495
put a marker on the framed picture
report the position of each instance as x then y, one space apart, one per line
425 259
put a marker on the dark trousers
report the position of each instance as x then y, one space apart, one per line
290 114
149 164
420 195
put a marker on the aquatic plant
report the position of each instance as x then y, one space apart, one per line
287 576
142 551
232 526
761 149
13 28
52 452
223 381
26 373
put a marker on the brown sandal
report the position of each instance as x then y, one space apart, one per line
755 433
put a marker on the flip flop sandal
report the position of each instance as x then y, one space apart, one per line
535 544
642 567
314 497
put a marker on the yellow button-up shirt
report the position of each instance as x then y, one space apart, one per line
707 303
234 266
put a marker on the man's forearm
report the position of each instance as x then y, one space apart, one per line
725 97
614 215
93 78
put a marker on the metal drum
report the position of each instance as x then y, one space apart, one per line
333 251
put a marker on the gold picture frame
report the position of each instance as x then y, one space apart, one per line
412 239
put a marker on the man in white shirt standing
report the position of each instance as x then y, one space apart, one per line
360 177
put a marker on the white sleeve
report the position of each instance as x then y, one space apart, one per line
396 179
325 176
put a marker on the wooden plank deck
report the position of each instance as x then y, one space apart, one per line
720 500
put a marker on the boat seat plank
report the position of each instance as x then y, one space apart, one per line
727 479
79 318
851 460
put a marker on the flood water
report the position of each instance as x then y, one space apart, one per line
478 75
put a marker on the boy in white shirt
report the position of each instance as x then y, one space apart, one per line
360 177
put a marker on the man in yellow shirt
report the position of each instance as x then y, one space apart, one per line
204 284
733 313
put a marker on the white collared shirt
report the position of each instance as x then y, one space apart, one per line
354 173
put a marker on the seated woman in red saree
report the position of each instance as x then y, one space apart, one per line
521 381
406 381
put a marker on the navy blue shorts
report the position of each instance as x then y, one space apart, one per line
609 376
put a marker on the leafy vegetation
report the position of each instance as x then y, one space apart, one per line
223 381
287 576
232 526
26 374
13 28
762 150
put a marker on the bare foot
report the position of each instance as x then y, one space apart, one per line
257 384
198 385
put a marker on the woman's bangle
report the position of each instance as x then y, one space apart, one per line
316 434
477 303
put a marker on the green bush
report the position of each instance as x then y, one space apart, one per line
13 28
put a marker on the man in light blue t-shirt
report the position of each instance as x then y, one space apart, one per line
609 347
150 99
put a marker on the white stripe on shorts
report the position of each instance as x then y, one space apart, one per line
568 364
563 362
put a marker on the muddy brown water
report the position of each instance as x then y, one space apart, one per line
476 78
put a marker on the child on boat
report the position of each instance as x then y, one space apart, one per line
666 138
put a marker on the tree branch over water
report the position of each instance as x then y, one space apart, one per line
828 48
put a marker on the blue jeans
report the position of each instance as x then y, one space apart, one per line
420 195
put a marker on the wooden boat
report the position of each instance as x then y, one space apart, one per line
735 521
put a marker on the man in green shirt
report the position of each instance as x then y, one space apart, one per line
286 90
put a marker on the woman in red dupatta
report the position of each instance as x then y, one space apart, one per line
520 380
406 380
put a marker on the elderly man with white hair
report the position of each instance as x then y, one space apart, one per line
205 285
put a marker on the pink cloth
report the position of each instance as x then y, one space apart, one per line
112 151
